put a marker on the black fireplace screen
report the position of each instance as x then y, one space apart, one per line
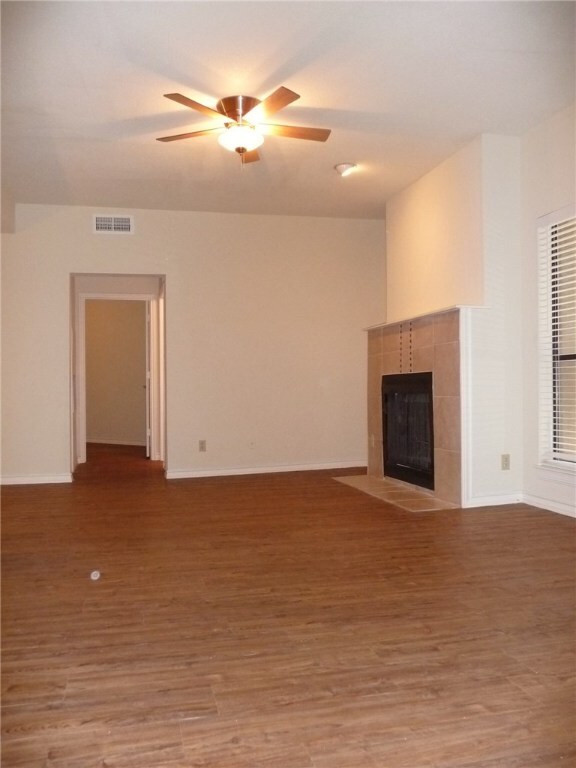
408 428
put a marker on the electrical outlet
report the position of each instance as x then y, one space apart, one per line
505 461
202 446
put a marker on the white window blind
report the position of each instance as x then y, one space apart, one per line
557 246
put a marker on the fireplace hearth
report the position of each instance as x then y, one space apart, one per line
408 428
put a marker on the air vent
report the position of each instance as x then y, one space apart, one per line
113 225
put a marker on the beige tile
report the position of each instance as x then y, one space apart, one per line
447 327
405 348
391 362
447 475
395 492
374 400
447 423
391 338
422 332
423 359
447 369
375 459
375 425
374 413
406 360
376 365
399 495
425 505
423 344
386 483
375 341
374 378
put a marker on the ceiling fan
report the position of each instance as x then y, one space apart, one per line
244 132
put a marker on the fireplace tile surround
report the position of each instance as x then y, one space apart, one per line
427 343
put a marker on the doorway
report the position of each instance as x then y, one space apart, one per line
117 364
117 375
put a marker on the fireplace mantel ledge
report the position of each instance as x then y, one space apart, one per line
443 311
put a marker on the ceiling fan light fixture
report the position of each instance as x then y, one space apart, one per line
345 169
240 138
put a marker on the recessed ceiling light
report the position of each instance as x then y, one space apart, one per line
345 169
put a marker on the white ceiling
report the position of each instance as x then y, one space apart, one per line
402 85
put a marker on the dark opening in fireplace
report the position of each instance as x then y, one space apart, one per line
408 428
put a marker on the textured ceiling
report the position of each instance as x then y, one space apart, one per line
402 85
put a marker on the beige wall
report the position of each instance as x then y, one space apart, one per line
465 234
265 349
453 238
549 184
494 343
115 371
434 239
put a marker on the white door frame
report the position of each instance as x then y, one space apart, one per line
157 385
147 384
155 407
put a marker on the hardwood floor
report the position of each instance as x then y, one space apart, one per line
280 621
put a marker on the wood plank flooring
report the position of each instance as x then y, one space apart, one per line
280 621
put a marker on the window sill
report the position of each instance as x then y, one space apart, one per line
559 471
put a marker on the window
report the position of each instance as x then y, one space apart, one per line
557 246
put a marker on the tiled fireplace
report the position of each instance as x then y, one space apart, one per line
430 343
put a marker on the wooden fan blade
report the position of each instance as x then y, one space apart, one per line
271 104
295 132
250 157
188 135
186 102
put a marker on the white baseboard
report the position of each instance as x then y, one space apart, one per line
191 473
492 501
35 479
181 474
115 442
552 506
521 498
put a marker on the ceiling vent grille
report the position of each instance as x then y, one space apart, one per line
113 225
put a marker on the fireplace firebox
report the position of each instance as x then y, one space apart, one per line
408 428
